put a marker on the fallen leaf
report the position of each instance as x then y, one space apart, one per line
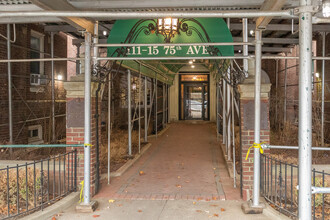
96 216
53 218
141 173
198 210
194 203
214 168
222 209
216 215
178 185
119 205
187 181
179 177
214 198
214 205
111 201
139 210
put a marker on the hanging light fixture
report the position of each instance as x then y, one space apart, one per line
326 8
167 27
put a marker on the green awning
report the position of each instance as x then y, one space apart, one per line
201 30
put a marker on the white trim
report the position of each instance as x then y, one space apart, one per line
42 49
38 139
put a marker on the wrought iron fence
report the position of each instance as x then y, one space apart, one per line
31 186
278 185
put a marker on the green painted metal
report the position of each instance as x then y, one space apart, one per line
40 145
201 30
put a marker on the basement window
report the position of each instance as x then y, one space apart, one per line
35 134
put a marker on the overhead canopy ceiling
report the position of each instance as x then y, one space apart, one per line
279 35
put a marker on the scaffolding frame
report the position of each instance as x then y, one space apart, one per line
305 125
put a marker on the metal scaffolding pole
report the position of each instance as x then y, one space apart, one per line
53 85
228 109
257 94
245 47
323 82
109 125
129 112
10 99
217 108
276 90
224 113
285 88
305 111
233 131
139 103
145 109
156 101
163 118
95 41
87 118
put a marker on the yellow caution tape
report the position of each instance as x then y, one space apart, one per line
255 146
90 145
81 192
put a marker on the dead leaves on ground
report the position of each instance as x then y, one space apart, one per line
141 173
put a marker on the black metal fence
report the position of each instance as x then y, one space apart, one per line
278 185
31 186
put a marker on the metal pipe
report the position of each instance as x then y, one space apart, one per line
41 145
276 90
305 112
321 190
163 114
129 113
153 14
266 57
323 82
109 126
228 108
233 128
156 101
10 98
217 107
224 112
87 118
95 41
145 109
139 109
267 146
257 95
53 85
285 82
245 47
175 44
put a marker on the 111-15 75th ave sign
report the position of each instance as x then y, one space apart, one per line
145 31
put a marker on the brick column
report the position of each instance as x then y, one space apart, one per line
246 91
75 125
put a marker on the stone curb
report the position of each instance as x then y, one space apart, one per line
272 213
55 208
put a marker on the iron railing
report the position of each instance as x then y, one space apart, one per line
278 185
34 185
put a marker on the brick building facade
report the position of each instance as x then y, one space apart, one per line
31 94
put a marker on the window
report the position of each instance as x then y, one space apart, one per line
35 134
37 46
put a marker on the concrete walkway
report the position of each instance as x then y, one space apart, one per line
181 176
164 210
184 163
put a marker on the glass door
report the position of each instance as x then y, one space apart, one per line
194 102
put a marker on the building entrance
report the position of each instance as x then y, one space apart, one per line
194 97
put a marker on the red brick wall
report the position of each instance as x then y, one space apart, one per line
247 142
39 102
75 135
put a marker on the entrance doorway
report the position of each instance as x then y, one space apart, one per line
194 97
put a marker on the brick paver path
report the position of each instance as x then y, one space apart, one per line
184 163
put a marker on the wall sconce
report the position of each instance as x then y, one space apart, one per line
59 77
167 27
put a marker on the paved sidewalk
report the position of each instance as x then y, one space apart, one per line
184 163
163 210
